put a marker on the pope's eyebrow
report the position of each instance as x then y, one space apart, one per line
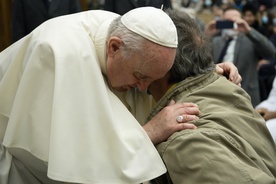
140 76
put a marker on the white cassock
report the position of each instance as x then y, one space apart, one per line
58 116
270 104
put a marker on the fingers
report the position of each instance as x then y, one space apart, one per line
164 123
230 70
172 102
188 111
258 110
185 104
235 77
261 110
219 69
210 29
191 110
177 109
188 104
184 126
186 118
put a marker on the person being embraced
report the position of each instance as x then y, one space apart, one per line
231 143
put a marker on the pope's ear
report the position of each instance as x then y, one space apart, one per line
113 46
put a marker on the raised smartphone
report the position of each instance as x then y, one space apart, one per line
224 24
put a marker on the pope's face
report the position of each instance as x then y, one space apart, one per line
140 69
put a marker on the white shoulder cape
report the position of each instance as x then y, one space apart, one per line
61 111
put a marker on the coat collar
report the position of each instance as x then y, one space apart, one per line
188 85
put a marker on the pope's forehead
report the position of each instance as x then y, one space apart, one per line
157 62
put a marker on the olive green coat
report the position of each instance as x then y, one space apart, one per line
231 144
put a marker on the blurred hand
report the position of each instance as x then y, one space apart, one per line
261 111
210 28
243 26
267 115
164 124
229 70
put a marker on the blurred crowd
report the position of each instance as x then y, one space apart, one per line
260 14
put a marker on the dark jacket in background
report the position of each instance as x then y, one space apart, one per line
123 6
28 14
248 49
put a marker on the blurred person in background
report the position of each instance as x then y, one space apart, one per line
243 46
251 15
28 14
196 5
265 67
123 6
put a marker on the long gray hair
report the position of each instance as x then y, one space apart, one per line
194 51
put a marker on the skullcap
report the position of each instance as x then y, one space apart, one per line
153 24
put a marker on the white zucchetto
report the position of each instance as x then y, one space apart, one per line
153 24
